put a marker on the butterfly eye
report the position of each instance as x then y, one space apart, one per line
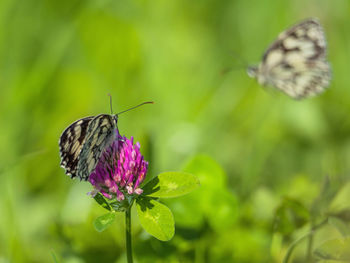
115 119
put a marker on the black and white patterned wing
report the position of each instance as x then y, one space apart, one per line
101 132
70 144
296 62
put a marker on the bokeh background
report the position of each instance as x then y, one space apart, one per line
259 154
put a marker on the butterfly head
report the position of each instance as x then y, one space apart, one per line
256 73
115 116
115 119
252 71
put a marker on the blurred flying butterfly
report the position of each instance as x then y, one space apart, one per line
82 143
295 62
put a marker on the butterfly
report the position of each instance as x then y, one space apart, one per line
83 142
295 62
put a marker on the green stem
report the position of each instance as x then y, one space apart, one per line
293 245
310 244
296 242
128 234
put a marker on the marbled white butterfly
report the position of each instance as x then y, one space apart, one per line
82 143
296 63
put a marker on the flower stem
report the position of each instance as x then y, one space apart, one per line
128 234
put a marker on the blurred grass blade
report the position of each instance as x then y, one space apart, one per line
53 254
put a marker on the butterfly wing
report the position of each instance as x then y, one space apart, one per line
308 80
296 62
100 133
71 143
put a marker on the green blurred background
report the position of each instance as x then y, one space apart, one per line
252 149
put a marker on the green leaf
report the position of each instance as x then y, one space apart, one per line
290 215
195 209
344 215
336 249
209 172
171 184
156 218
103 222
102 201
321 203
340 225
341 200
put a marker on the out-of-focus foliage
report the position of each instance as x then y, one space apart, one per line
263 157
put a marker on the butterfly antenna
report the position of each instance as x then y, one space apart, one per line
228 69
241 65
240 58
147 102
110 102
